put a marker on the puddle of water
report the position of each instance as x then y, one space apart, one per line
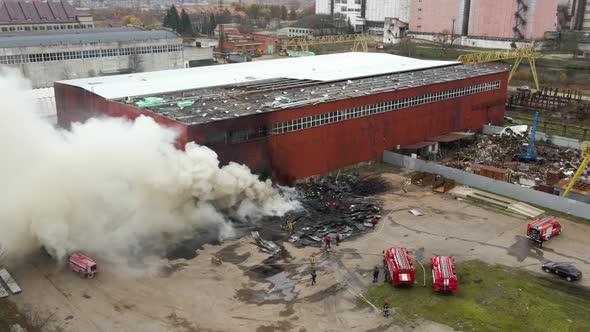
285 286
523 248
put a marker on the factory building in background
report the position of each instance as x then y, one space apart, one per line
292 118
365 15
18 15
48 56
504 19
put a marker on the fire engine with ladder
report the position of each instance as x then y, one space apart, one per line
444 277
400 266
542 229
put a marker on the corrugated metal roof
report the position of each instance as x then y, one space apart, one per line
332 67
83 36
21 12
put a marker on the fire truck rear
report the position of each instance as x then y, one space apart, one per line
400 266
443 274
83 265
542 229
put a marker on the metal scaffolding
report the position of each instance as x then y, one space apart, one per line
518 54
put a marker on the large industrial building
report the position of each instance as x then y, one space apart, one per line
365 15
580 15
18 15
297 117
49 56
509 19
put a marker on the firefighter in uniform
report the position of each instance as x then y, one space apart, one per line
386 308
312 260
291 226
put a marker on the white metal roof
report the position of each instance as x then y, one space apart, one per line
44 99
332 67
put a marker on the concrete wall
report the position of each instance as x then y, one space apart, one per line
539 198
474 42
436 16
45 73
322 7
378 10
499 20
544 18
492 18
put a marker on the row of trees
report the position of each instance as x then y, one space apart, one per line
179 23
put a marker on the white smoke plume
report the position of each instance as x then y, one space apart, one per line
110 187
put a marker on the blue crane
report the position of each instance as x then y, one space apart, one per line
528 151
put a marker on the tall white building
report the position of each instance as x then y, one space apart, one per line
365 15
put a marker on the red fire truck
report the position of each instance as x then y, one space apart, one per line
444 278
542 229
83 265
400 266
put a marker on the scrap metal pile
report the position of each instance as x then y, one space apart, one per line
500 151
336 204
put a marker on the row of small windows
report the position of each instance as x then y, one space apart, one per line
222 138
87 54
357 112
356 2
299 30
47 27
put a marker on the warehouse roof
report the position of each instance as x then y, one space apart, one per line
209 104
21 12
83 36
323 68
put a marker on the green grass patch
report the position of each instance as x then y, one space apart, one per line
493 298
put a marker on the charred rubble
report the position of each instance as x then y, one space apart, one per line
336 204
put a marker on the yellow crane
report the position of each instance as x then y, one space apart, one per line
518 53
359 42
585 152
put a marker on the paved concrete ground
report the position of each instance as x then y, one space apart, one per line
238 295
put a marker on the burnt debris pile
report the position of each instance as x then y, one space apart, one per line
336 205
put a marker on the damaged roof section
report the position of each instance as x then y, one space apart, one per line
217 103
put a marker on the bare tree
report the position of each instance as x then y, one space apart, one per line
407 47
444 40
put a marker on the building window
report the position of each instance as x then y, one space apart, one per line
361 111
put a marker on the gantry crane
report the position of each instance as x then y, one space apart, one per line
517 53
359 42
585 152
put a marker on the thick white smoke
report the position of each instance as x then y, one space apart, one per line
111 187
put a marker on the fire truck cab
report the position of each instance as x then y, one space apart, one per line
444 277
83 265
400 266
542 229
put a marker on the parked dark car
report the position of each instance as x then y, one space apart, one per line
564 270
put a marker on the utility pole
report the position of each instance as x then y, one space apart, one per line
452 33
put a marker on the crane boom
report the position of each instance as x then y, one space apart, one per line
518 54
530 152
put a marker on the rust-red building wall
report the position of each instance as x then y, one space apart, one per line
307 152
298 154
